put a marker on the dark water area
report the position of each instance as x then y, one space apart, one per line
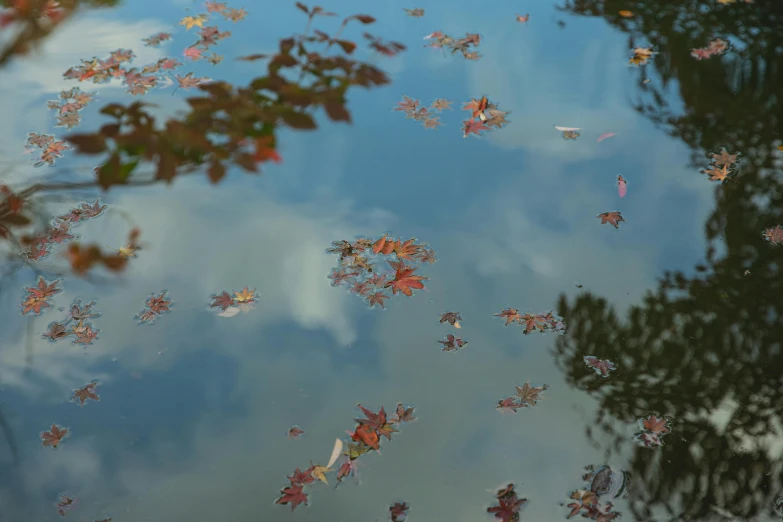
659 369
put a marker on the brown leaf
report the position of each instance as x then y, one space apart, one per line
337 111
88 143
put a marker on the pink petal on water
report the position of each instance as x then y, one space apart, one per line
602 137
622 187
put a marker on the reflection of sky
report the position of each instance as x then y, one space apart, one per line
198 432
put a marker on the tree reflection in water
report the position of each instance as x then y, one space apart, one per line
704 349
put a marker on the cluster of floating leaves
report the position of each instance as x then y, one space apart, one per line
652 430
231 305
59 230
155 306
526 396
484 116
137 81
426 115
452 343
50 147
508 505
154 74
364 438
716 47
456 45
547 322
722 166
71 102
83 332
398 511
598 483
601 366
359 266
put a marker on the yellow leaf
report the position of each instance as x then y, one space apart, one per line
625 13
190 21
245 296
318 472
780 147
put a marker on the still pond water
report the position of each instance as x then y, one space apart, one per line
684 298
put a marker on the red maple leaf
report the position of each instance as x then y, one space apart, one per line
511 315
476 106
404 279
222 301
656 425
54 436
292 495
398 511
159 304
509 404
366 435
43 290
473 127
302 478
377 298
508 506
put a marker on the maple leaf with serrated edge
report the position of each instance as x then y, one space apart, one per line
376 421
724 158
508 506
477 107
473 127
452 318
773 234
718 174
509 404
43 289
216 7
377 298
614 218
601 366
190 21
86 392
222 301
245 296
510 315
441 104
292 495
54 436
404 279
398 511
656 425
530 394
301 478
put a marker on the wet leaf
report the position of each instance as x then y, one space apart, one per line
54 436
613 218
